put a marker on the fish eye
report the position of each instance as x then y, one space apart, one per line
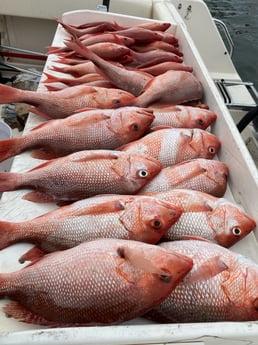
135 127
165 277
201 122
143 173
236 231
256 304
117 102
211 149
155 224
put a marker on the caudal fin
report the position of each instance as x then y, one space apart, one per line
78 47
10 148
50 78
54 50
10 94
9 181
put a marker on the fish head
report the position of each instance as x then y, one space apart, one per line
240 287
216 173
201 118
116 98
147 219
231 224
155 271
136 170
205 144
195 143
131 122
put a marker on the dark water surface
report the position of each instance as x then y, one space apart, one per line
241 19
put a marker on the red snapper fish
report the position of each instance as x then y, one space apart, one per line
138 218
190 200
171 87
77 70
141 34
88 130
222 286
62 103
100 27
163 67
88 40
204 175
131 80
174 145
83 174
109 50
72 81
156 45
85 284
225 224
180 116
157 54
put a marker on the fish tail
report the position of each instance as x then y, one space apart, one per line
53 88
10 148
58 69
9 181
50 78
67 27
10 94
8 235
54 50
81 49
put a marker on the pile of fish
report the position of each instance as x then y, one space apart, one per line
145 229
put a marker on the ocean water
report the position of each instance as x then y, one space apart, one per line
241 19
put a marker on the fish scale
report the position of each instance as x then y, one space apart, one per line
124 275
92 129
83 174
217 225
174 145
222 286
191 224
128 217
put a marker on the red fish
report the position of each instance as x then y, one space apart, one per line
85 284
204 175
96 38
180 116
65 102
174 145
190 200
79 31
163 67
225 224
157 54
91 129
137 218
83 174
222 286
141 34
127 79
155 26
156 45
108 50
77 70
171 87
72 81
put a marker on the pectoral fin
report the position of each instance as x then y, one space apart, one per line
207 270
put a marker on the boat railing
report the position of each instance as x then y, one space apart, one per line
229 42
